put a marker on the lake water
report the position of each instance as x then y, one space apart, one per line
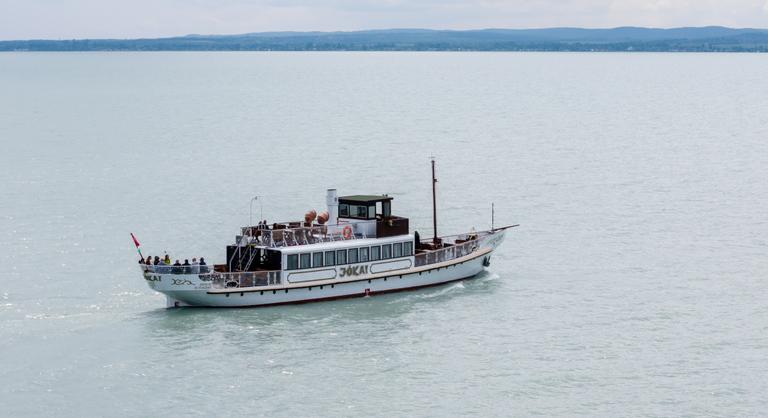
635 286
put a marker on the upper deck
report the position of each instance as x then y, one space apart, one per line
348 218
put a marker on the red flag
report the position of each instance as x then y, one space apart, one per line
135 241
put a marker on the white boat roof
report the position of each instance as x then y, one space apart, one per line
351 243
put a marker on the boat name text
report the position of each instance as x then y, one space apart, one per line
353 271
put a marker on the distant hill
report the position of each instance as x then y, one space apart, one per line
702 39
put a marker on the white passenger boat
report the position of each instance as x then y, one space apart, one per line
356 248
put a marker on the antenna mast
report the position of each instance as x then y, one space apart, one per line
434 203
492 216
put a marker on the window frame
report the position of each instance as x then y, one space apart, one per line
397 250
295 259
339 261
332 255
386 254
409 246
360 255
356 257
361 211
314 259
305 257
375 249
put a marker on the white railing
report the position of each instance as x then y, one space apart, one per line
302 235
446 254
171 269
219 280
243 279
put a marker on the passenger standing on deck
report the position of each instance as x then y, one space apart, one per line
167 260
195 266
157 260
203 266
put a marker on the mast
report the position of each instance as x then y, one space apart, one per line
434 203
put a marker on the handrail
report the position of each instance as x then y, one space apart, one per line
171 269
298 236
450 239
447 253
220 280
243 279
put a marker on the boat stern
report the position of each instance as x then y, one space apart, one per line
181 288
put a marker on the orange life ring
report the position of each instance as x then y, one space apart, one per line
347 232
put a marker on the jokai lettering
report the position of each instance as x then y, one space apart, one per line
353 271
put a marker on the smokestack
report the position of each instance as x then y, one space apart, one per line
333 207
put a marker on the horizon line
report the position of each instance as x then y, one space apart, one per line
385 30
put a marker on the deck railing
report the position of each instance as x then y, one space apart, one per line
298 235
244 279
446 254
219 280
170 269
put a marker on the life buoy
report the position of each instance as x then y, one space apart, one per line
347 232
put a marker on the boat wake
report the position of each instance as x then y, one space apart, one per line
431 293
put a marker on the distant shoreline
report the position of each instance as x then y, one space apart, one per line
626 39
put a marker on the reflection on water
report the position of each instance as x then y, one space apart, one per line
184 327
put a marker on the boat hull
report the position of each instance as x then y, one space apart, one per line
193 290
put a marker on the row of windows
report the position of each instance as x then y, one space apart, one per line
357 211
350 256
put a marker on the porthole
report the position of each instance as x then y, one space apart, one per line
241 293
227 294
286 290
262 293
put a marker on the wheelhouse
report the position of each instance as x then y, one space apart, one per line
350 233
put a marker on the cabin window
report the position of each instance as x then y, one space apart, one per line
386 209
386 251
305 261
360 211
408 248
352 255
375 253
397 250
341 257
293 262
344 210
317 259
364 254
371 212
330 258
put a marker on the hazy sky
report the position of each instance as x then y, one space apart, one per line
65 19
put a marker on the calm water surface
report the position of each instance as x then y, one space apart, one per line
636 285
